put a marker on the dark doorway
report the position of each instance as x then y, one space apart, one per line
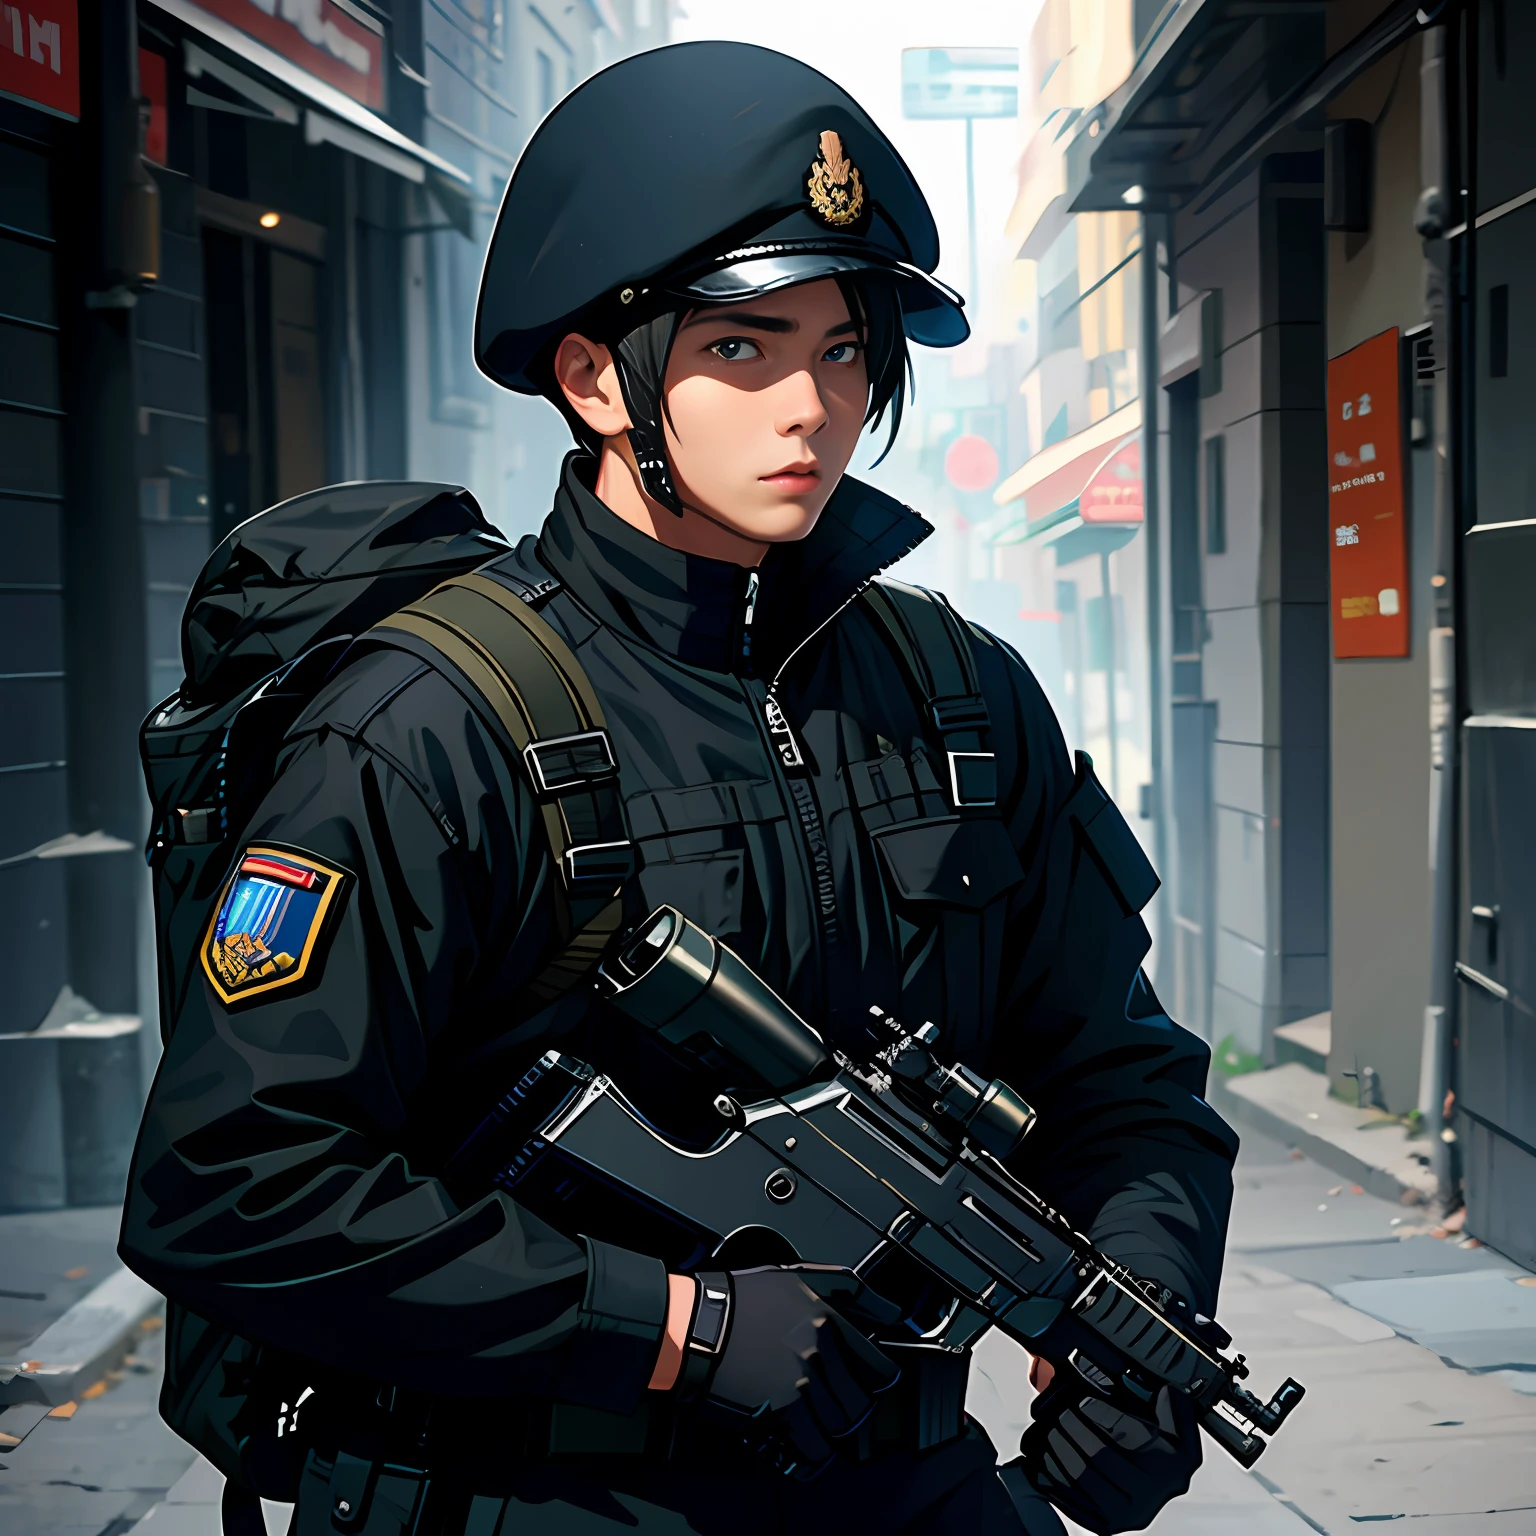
266 376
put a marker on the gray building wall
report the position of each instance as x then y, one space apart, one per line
1265 595
1381 882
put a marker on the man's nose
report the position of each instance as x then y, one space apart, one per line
801 411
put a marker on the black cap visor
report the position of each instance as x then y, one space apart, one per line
932 314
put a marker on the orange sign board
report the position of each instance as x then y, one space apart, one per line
1368 539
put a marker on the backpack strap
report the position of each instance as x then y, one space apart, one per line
536 692
930 642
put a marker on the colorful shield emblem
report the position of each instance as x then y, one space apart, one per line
270 923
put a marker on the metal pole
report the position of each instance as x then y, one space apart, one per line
1437 1062
1151 400
973 295
104 589
1109 676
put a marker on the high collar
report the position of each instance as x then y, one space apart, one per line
691 607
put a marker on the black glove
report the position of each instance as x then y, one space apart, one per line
1107 1469
793 1374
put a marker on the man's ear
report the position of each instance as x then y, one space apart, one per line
589 380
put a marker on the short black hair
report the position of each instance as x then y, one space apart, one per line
873 305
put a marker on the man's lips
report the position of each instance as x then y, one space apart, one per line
793 479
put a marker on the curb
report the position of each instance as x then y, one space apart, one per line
76 1349
1243 1111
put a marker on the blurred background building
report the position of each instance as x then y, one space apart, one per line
1330 208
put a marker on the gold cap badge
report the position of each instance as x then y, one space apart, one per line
834 185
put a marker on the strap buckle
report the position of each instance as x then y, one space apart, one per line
972 778
559 763
605 865
965 712
201 824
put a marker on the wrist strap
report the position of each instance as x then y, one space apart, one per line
707 1330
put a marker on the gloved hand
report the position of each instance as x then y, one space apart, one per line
1104 1468
793 1374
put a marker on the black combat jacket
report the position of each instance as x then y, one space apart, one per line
288 1177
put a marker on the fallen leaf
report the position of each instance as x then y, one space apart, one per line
79 1272
1338 1189
1297 1154
63 1411
9 1442
150 1324
1469 1242
95 1389
1526 1280
31 1365
1356 1189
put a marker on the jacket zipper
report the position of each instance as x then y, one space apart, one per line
791 761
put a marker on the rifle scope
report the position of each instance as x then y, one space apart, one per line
673 978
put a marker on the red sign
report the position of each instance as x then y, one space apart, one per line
971 463
317 36
1368 542
40 53
152 88
1113 491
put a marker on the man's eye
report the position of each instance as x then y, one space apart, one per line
735 349
843 352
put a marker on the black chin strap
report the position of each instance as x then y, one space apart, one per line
643 403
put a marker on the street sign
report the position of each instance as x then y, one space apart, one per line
971 463
1367 540
960 82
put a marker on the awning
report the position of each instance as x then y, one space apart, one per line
329 115
1217 84
1056 474
1103 511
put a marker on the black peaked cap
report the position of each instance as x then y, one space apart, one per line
682 154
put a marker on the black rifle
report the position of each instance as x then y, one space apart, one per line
890 1167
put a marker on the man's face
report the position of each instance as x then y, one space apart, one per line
767 400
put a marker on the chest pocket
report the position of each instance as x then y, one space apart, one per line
958 861
944 875
693 847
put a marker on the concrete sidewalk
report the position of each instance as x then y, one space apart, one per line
82 1448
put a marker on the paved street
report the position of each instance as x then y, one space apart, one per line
1419 1359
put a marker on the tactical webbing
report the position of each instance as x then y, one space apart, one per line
532 683
934 652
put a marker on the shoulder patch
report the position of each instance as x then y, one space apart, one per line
272 922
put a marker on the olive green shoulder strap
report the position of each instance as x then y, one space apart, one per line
930 643
538 698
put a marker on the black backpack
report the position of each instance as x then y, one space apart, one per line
273 611
275 608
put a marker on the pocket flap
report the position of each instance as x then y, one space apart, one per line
964 861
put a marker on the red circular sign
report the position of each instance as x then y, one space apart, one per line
971 463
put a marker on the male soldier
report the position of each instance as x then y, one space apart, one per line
711 261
